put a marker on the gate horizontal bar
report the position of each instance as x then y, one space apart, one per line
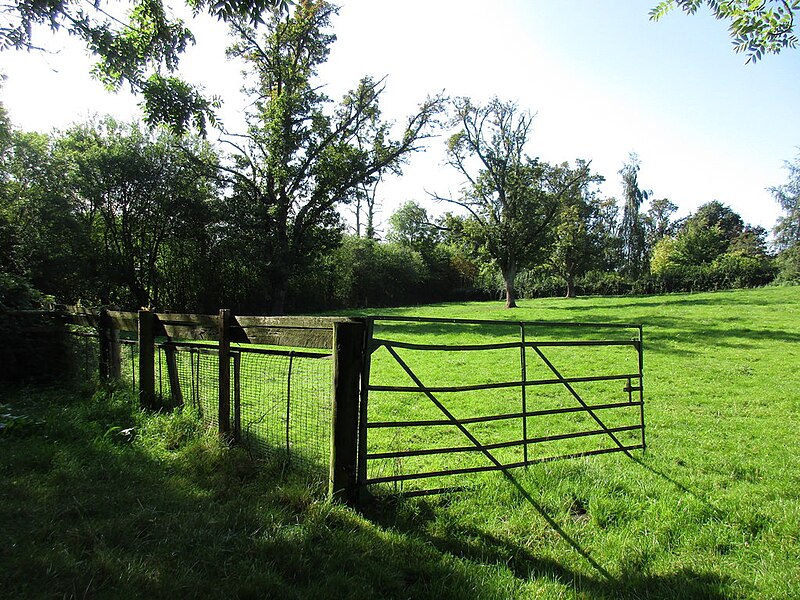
501 385
498 445
519 415
431 492
463 471
498 322
378 342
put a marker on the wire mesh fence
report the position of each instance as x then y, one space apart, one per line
83 353
284 403
281 399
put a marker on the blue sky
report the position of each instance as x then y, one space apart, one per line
602 79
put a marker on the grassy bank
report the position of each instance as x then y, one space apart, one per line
711 510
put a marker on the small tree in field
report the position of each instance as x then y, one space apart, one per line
578 231
512 199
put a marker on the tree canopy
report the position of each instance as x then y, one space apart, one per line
298 162
140 47
757 27
512 199
787 229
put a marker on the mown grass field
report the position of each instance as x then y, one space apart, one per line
710 510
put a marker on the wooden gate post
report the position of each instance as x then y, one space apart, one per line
147 375
224 355
348 351
109 358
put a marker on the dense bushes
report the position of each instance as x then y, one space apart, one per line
29 342
364 273
788 265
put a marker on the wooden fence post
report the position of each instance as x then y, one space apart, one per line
147 375
175 393
366 360
224 372
110 351
348 350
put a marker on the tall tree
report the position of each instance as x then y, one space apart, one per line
365 207
658 222
298 162
410 226
51 238
632 229
787 229
578 230
512 198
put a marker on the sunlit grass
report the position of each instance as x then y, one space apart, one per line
710 510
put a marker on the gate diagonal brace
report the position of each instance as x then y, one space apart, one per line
502 468
579 399
446 412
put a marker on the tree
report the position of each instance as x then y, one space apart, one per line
709 233
757 27
145 197
632 229
298 162
513 199
787 228
716 213
141 48
365 204
658 223
49 240
578 231
410 226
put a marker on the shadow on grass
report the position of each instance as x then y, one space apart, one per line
173 513
665 335
681 486
481 547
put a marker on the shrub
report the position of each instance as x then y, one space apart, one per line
788 266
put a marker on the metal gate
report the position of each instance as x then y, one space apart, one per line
483 395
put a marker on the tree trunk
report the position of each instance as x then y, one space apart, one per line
570 286
509 275
278 288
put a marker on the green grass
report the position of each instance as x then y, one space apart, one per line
710 510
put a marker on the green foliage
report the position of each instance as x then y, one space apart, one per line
512 199
787 229
147 201
300 161
579 232
658 222
757 28
726 271
48 236
17 293
788 264
632 230
713 250
137 48
410 226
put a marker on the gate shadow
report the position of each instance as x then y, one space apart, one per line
476 545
